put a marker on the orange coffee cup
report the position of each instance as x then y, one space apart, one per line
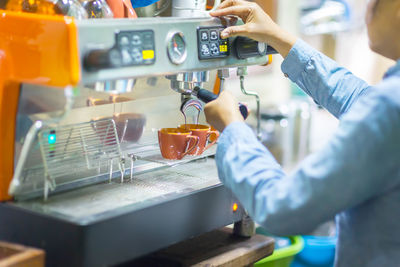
213 137
207 136
176 143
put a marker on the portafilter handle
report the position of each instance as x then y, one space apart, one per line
207 96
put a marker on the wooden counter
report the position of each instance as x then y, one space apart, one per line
216 248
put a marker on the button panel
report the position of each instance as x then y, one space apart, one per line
136 47
210 44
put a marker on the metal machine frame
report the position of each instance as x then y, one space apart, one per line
122 237
50 51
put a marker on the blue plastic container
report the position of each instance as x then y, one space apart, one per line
142 3
318 251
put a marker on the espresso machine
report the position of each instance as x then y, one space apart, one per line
81 174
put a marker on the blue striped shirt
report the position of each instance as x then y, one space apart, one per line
356 176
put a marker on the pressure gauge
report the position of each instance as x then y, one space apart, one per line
177 51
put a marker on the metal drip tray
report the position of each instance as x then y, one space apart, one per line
152 153
105 200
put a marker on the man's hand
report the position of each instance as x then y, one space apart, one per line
222 111
258 25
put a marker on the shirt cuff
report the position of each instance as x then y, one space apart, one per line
296 61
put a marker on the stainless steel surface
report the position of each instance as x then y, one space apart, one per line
190 77
184 87
101 34
115 86
152 101
104 200
185 82
222 75
159 104
242 72
117 202
26 149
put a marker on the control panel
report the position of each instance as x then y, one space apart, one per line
210 43
123 49
137 47
132 48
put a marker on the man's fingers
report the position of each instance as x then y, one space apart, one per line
242 12
233 31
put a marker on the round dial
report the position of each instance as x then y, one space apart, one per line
177 51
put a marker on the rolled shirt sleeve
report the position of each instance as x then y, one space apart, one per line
332 86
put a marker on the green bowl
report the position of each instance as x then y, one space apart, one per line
282 257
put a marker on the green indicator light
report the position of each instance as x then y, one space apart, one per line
52 139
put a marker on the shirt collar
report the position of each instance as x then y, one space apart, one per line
393 70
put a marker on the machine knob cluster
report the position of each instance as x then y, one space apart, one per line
137 48
131 48
246 48
103 59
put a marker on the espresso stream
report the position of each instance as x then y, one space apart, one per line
185 118
194 104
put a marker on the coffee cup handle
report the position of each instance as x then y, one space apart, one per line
208 137
193 147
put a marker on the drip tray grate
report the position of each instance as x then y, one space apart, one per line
152 153
146 189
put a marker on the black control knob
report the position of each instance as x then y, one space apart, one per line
246 48
102 59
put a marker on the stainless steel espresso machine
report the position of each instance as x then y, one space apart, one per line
89 184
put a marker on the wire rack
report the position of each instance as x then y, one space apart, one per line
68 157
77 149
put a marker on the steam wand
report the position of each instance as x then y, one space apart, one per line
241 72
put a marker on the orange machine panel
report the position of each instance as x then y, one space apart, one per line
40 49
36 49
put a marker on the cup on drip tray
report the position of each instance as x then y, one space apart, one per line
186 139
176 143
207 136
